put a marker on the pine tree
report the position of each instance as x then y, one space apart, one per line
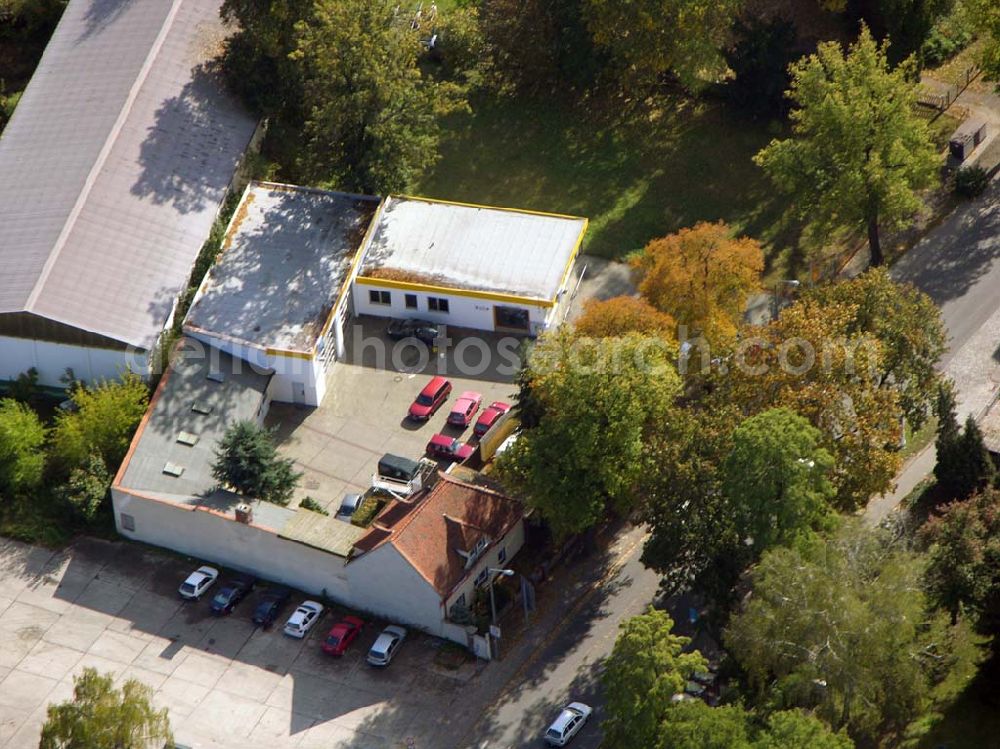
948 437
248 461
978 470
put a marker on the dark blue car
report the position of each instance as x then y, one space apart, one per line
269 606
231 593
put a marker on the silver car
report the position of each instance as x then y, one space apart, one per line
386 646
567 724
198 582
303 618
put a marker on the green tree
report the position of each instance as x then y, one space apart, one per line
760 58
87 487
860 151
647 666
594 403
103 422
908 325
794 729
649 38
987 15
907 24
695 725
776 478
372 118
841 625
979 469
964 465
247 460
102 717
948 436
963 569
22 460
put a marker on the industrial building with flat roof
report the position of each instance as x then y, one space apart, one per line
115 164
469 266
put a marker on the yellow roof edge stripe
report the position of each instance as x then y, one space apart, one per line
487 207
429 288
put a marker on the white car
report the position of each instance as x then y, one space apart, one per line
568 724
198 582
303 618
386 645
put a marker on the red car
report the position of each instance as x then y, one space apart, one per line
448 448
342 634
430 399
465 408
489 417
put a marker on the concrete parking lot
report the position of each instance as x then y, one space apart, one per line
363 415
226 683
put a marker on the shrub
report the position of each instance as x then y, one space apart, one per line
311 504
22 461
949 36
370 507
87 487
971 181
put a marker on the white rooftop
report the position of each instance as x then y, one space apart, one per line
471 247
286 257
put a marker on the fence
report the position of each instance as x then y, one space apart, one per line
941 102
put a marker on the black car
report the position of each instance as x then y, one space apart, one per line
413 328
269 606
231 593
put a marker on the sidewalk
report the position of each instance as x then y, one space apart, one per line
558 601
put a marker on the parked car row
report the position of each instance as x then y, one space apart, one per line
272 601
433 396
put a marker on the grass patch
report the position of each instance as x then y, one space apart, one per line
635 181
916 441
365 514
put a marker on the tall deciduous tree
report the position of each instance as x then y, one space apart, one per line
859 151
987 15
841 625
372 116
794 729
776 478
807 361
702 277
645 669
22 460
650 38
619 315
247 460
908 325
102 717
105 418
594 403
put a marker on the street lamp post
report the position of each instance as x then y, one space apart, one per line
490 572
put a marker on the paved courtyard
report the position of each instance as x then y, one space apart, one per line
226 683
363 416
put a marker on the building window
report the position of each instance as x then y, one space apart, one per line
481 577
502 555
437 304
411 301
511 318
128 522
379 297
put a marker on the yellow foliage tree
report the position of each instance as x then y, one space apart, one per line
619 315
702 277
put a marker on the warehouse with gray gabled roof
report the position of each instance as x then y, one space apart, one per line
114 165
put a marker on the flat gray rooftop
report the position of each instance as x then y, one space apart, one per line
115 164
287 256
178 415
472 247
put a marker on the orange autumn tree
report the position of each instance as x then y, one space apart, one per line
619 315
701 276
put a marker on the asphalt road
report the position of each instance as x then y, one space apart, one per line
567 667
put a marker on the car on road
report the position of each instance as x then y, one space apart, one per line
198 582
303 618
424 331
342 634
231 593
567 724
430 399
386 646
465 408
489 417
448 448
269 606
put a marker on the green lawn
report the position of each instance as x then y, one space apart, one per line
635 182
